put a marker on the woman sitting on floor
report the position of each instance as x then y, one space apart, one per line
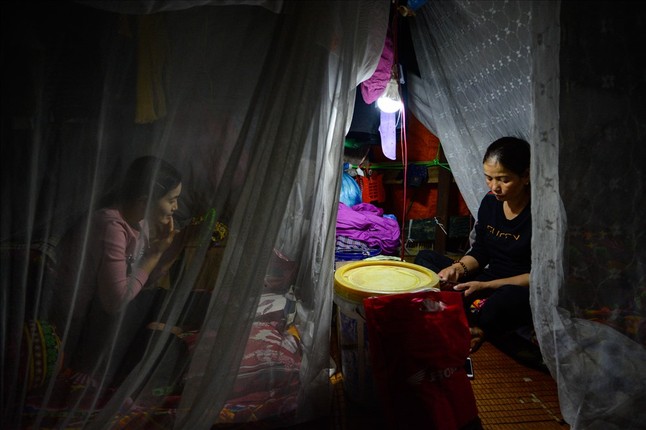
99 301
494 274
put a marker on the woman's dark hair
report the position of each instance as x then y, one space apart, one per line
148 176
511 152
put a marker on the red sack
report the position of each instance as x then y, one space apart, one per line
419 343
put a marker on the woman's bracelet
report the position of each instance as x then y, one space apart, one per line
465 271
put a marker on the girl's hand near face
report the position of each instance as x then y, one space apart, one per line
165 234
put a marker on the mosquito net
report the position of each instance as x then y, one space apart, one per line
249 103
565 77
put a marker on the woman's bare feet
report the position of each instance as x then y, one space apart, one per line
477 338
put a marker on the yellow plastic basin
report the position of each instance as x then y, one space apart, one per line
366 278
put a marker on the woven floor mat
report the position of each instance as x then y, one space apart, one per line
510 395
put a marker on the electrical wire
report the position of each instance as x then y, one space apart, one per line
404 144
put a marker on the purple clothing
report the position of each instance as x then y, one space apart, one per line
365 222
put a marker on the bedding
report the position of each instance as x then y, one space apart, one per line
266 389
265 392
268 383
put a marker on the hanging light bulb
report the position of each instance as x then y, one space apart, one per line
390 101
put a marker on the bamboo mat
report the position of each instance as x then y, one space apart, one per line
509 396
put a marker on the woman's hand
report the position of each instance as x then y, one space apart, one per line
450 274
163 239
470 287
459 269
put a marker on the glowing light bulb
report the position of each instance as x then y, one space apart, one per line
390 101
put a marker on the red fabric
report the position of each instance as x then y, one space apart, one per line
271 362
419 343
422 144
281 274
463 209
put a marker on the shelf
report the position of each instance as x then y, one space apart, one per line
390 176
438 172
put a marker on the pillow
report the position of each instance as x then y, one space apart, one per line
270 364
272 309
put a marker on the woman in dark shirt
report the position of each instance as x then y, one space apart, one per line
494 274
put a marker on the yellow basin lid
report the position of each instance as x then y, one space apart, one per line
356 281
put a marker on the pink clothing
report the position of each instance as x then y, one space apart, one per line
118 277
108 268
373 87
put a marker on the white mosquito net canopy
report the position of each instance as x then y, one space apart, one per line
568 78
249 103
